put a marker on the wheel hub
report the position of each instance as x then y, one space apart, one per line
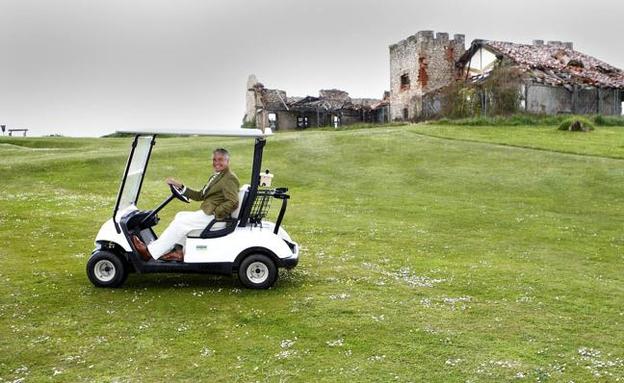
104 270
257 272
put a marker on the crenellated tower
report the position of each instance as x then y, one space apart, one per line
420 64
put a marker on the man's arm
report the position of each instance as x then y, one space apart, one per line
192 194
230 192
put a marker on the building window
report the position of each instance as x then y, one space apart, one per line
405 114
273 121
405 82
303 122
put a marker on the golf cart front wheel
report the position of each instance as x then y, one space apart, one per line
257 271
105 269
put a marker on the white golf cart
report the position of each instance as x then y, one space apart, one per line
245 243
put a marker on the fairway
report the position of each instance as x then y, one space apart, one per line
429 254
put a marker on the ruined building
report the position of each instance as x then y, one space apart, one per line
552 78
548 78
421 64
272 108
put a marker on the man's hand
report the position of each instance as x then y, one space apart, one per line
171 181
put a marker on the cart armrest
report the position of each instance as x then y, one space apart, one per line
230 226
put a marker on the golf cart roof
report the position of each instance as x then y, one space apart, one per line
208 132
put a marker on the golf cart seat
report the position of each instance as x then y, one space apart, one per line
219 228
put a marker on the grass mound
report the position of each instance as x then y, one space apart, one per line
44 142
576 124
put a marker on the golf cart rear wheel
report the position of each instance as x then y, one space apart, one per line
105 269
257 271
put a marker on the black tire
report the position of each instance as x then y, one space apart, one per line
257 271
106 269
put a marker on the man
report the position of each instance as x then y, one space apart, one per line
219 199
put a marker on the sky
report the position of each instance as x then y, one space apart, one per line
88 68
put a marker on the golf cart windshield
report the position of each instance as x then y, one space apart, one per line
135 171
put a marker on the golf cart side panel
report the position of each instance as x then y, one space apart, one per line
108 233
267 225
226 249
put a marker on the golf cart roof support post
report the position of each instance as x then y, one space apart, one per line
123 182
149 155
255 180
280 216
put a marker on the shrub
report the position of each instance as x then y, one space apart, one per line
601 120
499 94
461 100
248 124
502 88
519 119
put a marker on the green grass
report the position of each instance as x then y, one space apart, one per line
602 142
527 119
430 253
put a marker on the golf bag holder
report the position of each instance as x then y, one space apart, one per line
262 204
260 207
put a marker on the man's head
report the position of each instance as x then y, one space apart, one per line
220 159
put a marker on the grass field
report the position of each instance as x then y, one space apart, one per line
429 254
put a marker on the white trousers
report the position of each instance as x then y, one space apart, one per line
182 224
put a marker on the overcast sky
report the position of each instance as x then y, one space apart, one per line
87 68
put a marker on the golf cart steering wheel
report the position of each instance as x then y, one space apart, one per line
177 193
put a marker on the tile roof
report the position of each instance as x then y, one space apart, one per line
555 63
329 100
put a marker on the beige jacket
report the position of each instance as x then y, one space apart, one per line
219 196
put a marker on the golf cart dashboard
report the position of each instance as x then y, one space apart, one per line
139 220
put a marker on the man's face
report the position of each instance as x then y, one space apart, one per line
219 162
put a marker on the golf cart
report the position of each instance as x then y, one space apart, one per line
245 243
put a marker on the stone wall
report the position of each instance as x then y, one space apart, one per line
585 101
251 100
286 120
610 101
548 100
545 99
427 63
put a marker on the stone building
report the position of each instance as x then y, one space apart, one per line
421 64
554 78
272 108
